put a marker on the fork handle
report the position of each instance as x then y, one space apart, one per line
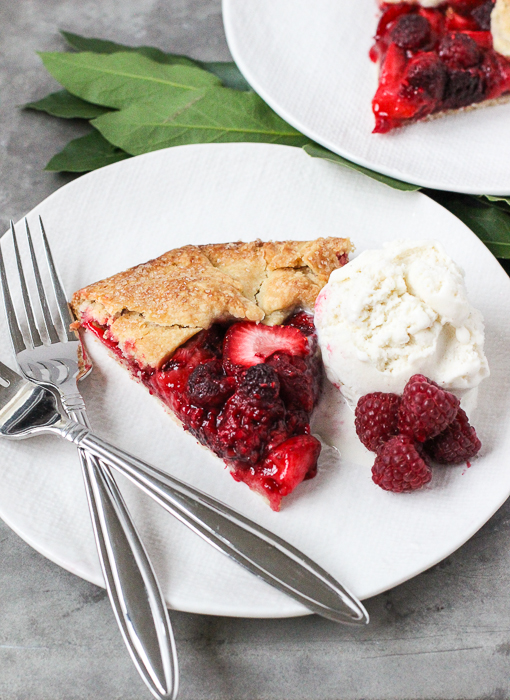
258 550
133 590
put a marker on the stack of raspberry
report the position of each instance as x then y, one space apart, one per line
406 432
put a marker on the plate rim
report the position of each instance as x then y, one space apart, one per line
263 614
232 42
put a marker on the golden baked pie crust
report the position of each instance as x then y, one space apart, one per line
153 308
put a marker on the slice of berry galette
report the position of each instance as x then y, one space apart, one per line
223 335
439 56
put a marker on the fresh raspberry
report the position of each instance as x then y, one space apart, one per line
458 50
399 467
425 409
376 419
411 32
456 444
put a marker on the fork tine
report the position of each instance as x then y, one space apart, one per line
60 295
7 375
17 339
48 321
34 332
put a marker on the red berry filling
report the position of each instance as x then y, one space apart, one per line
435 59
247 392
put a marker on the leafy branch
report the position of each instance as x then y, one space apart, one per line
140 99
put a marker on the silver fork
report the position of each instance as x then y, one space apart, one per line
261 552
134 593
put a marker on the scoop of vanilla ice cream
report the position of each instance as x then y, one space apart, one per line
395 312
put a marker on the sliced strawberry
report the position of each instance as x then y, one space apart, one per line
389 109
393 67
435 18
292 461
247 344
483 39
284 468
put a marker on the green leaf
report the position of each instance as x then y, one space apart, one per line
491 224
317 151
502 203
206 116
226 71
118 79
63 104
496 202
82 43
86 153
493 198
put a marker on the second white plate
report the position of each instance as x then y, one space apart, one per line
369 539
309 61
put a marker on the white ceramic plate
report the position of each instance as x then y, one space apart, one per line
309 61
369 539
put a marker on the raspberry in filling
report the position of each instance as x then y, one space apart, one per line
435 59
246 391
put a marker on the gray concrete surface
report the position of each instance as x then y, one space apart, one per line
443 635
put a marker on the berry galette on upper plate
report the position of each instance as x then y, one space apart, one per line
439 56
224 336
